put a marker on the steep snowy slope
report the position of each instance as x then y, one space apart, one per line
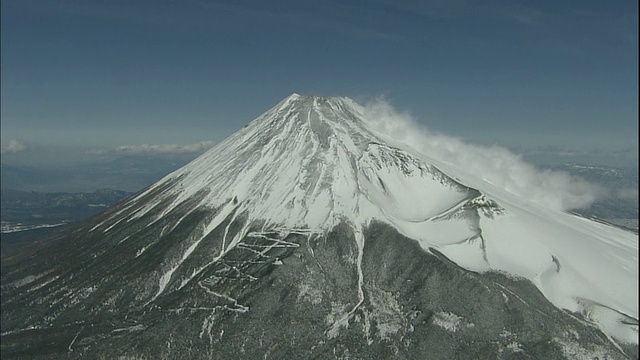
257 212
310 162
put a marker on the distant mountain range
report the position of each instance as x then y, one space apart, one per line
126 172
25 210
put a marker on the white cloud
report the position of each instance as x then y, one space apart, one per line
164 148
495 164
13 146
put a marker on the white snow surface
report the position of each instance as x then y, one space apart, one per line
313 162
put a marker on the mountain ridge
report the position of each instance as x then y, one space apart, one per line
309 213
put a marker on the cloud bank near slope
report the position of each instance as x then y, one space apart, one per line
497 165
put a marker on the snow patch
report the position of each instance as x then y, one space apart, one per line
448 321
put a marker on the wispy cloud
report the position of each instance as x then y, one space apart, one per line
495 164
520 14
155 149
139 12
13 146
164 148
438 9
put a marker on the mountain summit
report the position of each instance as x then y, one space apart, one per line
309 234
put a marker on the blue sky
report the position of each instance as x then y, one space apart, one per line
103 74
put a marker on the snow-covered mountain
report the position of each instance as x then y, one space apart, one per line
309 234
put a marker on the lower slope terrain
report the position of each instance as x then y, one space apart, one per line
282 295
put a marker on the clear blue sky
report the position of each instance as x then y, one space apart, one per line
109 73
